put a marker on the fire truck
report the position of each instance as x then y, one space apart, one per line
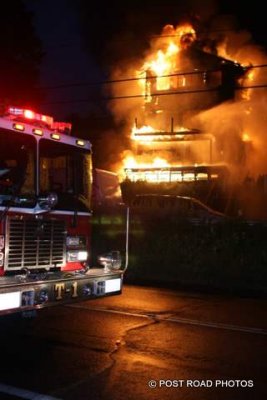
46 227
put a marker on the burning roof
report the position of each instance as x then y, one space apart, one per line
178 82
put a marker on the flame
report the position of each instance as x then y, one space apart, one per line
143 171
153 168
246 137
164 65
246 60
251 76
155 134
160 66
131 162
247 80
222 51
159 71
159 171
143 129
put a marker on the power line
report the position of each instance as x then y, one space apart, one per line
110 98
111 81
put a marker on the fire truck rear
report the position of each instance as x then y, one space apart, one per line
45 217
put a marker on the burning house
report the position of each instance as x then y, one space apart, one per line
171 149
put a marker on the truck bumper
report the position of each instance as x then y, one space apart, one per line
22 293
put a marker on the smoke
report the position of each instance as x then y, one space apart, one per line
125 90
239 127
227 40
236 128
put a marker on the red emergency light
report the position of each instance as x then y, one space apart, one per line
62 127
25 114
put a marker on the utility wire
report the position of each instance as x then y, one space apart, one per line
194 91
111 81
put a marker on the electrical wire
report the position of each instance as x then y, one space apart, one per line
167 93
111 81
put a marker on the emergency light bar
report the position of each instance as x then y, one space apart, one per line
25 114
63 127
41 119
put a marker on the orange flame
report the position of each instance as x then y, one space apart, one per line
159 67
131 162
155 134
246 137
158 72
247 80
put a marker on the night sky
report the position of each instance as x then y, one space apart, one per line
65 61
82 40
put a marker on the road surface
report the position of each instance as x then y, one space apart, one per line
146 344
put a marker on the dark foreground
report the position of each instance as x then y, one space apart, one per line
147 343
